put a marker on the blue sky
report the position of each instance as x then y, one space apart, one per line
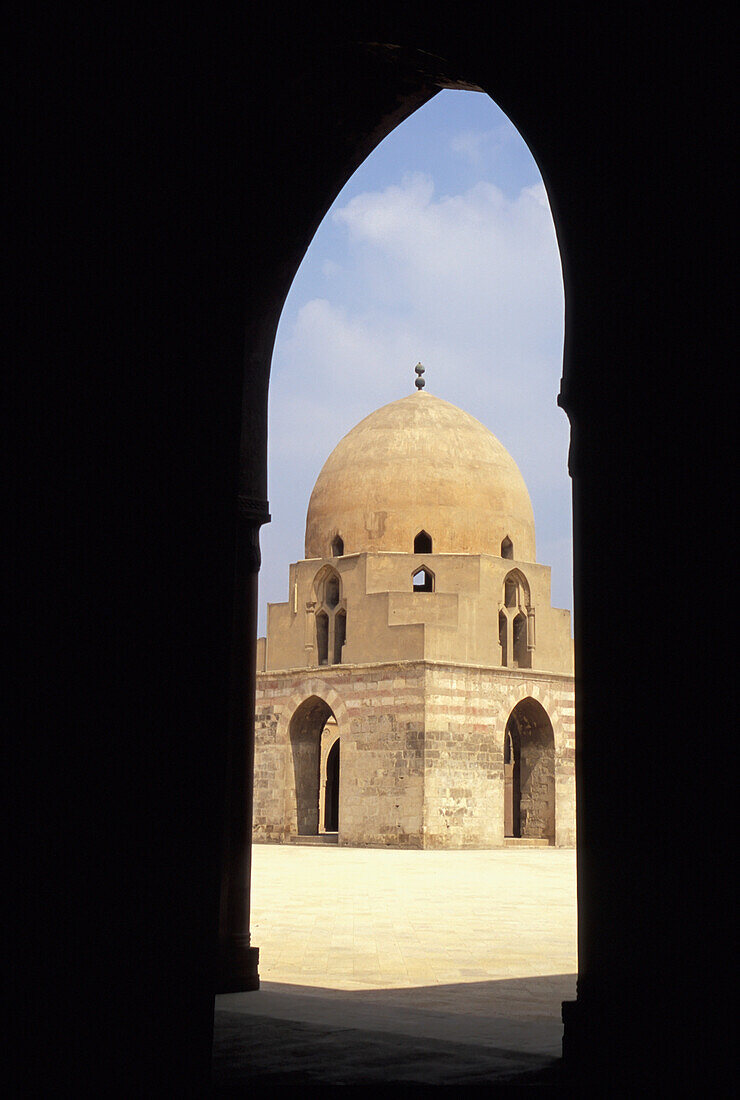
440 248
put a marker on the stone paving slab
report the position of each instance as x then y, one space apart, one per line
472 948
262 1048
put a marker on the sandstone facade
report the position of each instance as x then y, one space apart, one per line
408 697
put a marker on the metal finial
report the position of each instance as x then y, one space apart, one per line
419 383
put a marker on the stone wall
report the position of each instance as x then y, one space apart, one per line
380 720
421 748
463 805
466 713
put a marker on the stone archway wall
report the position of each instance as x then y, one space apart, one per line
380 722
422 751
305 730
534 741
276 814
557 698
466 711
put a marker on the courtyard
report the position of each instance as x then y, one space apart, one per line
429 967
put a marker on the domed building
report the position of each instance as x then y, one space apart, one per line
416 690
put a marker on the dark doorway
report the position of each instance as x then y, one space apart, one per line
331 808
529 773
306 727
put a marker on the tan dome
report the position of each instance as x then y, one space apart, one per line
420 464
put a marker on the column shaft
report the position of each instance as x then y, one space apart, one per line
237 964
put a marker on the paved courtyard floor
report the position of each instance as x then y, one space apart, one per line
434 968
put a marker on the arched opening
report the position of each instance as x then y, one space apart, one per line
516 622
520 63
423 580
507 548
522 657
306 729
331 796
331 617
340 635
503 633
322 637
337 547
423 543
529 773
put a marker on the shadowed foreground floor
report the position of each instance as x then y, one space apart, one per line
417 969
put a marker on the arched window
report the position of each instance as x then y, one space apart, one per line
516 590
507 548
423 543
516 622
340 635
423 580
503 632
522 655
337 547
331 617
322 637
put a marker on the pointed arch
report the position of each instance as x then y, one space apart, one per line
340 634
322 637
306 725
331 615
530 740
311 721
423 579
423 542
327 576
516 591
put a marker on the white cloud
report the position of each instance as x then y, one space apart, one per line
468 144
464 263
476 146
468 283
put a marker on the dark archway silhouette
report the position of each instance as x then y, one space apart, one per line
306 726
423 543
181 266
331 805
529 773
423 580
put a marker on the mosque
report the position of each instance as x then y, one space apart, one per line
416 690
